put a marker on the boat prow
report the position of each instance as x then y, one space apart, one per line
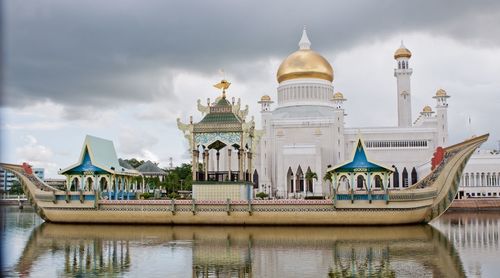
420 203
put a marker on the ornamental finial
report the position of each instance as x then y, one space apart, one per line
304 42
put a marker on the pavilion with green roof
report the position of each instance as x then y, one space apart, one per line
98 172
221 132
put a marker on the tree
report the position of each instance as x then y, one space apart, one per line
327 176
310 176
16 188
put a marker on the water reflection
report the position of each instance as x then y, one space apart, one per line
243 251
471 230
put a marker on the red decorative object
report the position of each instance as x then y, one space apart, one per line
27 168
437 158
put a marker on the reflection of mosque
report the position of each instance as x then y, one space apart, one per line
471 230
247 251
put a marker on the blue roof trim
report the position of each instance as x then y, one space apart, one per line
360 163
86 166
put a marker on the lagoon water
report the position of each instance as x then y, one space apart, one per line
455 245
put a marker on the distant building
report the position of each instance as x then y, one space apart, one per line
481 176
151 170
57 183
7 178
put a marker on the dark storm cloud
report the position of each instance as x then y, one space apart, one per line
94 51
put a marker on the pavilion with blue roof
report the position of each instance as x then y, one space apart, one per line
360 173
98 172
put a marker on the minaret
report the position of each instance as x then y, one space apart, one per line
338 133
442 117
403 73
265 146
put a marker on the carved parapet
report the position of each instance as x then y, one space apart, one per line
187 129
204 109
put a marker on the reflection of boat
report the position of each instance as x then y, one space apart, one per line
246 251
420 203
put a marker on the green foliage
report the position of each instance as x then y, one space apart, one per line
16 188
327 176
145 195
179 178
173 195
261 195
310 176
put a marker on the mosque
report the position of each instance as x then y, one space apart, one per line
304 142
305 133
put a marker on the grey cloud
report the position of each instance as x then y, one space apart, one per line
101 51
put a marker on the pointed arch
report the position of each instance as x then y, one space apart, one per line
414 177
405 177
300 180
255 179
289 180
395 178
310 181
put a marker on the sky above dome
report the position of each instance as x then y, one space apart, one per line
125 70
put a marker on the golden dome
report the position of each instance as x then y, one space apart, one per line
338 96
402 51
441 93
304 63
265 98
427 109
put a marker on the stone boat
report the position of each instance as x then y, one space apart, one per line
420 203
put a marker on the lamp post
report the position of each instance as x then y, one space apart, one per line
182 181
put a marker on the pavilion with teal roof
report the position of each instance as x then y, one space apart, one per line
98 172
359 175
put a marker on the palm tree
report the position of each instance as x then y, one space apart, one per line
309 177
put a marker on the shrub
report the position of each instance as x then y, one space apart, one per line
314 198
261 195
173 195
145 195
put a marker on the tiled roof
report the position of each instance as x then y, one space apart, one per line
150 167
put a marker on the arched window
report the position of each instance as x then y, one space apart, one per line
414 177
343 185
378 182
289 178
103 184
360 182
395 178
405 177
89 184
255 179
75 185
466 179
399 65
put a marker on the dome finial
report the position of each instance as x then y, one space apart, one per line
304 42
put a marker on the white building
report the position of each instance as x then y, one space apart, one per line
305 130
481 176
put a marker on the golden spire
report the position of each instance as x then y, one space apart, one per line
223 85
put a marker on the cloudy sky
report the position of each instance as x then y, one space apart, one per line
125 70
